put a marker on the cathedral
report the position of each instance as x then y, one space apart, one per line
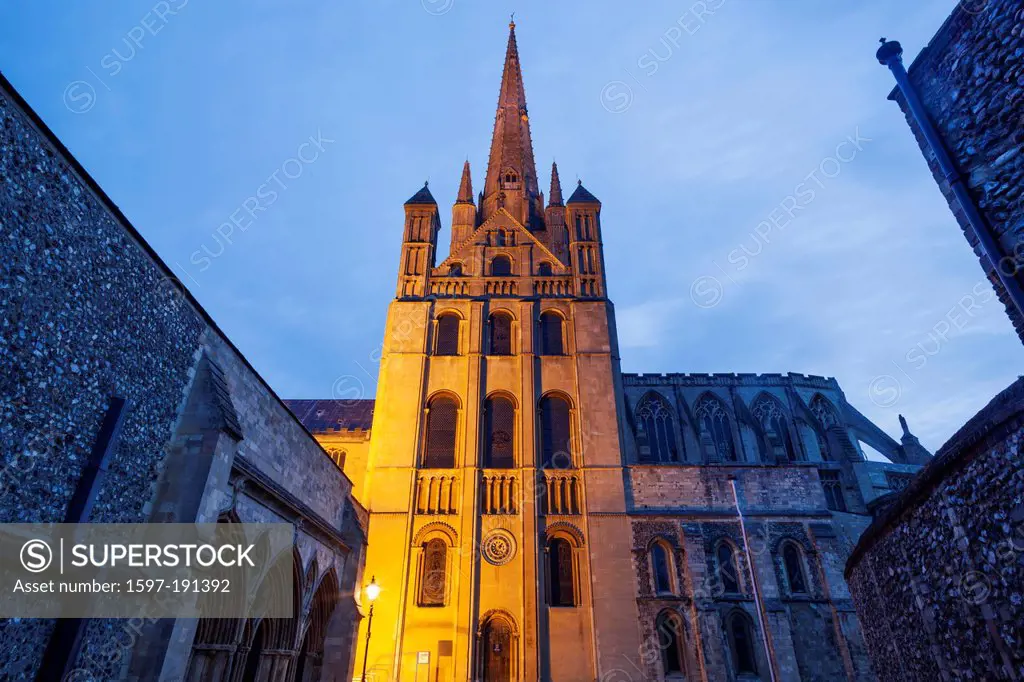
534 513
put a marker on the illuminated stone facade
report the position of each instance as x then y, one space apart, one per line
536 514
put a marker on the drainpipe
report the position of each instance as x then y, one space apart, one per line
761 618
890 54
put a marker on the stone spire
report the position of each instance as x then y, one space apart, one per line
555 197
913 451
464 216
465 187
511 180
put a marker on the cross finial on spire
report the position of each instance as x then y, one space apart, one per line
512 21
510 167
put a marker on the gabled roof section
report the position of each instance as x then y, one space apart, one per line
501 218
331 416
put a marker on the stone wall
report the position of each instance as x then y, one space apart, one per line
970 78
938 577
89 312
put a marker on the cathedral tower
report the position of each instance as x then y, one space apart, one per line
495 478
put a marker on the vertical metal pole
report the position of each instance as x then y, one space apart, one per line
891 55
366 654
753 582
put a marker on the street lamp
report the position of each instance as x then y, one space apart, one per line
372 592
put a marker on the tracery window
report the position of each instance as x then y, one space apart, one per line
499 427
715 429
827 418
656 434
833 488
442 418
433 575
501 334
770 415
823 411
898 482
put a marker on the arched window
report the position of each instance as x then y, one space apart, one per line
544 269
550 334
832 485
741 642
794 566
434 573
823 411
442 417
555 433
670 640
715 429
447 335
561 573
499 426
455 270
501 266
728 570
770 415
661 569
656 434
501 334
823 447
499 238
827 418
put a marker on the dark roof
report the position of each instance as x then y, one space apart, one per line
422 197
581 195
328 416
993 423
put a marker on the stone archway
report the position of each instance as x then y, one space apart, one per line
497 649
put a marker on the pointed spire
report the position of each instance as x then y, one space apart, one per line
511 168
555 196
465 187
913 451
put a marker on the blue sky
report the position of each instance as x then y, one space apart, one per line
701 135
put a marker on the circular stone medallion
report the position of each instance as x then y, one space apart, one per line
499 547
